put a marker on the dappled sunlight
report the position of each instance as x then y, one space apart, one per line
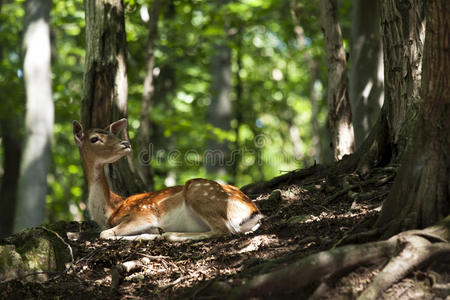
346 139
259 241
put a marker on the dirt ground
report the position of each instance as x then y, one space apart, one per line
302 217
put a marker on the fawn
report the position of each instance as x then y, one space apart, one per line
197 210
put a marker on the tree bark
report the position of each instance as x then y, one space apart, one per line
402 26
339 112
366 68
11 125
403 31
105 83
147 98
12 151
420 195
39 118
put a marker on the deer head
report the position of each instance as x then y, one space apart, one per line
101 146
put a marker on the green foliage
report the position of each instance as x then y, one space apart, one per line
274 76
65 195
11 80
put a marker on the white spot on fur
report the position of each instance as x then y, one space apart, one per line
205 194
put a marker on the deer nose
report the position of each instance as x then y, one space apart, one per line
125 144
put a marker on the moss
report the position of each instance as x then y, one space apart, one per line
11 263
35 253
38 255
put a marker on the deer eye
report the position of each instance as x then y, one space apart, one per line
94 139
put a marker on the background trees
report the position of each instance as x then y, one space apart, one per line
366 89
269 88
339 111
39 117
148 94
11 131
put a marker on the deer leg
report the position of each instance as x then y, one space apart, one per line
215 223
142 237
188 236
131 230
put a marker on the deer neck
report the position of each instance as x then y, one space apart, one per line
99 203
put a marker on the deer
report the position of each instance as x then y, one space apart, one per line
197 210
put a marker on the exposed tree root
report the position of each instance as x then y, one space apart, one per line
315 267
416 251
411 249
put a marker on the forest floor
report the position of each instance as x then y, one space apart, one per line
302 216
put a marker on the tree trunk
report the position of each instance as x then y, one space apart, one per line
402 25
339 112
39 118
12 150
147 95
220 110
10 124
105 83
420 195
366 68
403 28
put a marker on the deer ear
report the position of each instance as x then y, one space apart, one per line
77 132
116 127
